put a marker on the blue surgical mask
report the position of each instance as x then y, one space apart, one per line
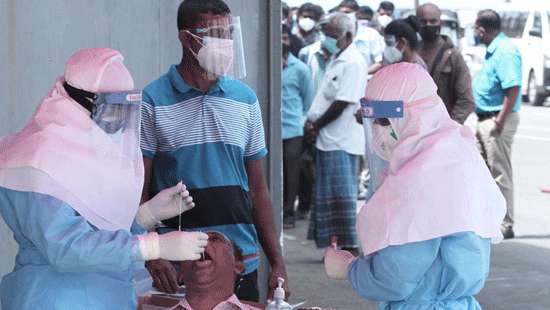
330 44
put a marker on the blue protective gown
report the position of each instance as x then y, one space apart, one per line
64 262
442 273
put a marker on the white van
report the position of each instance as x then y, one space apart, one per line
529 27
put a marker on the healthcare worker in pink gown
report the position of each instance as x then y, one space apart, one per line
426 231
70 186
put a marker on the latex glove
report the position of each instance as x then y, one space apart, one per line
173 246
168 203
337 263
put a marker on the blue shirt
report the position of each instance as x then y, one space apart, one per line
205 140
63 261
501 70
441 273
297 97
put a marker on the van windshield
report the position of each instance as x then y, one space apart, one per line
513 23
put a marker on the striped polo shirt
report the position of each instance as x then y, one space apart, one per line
205 140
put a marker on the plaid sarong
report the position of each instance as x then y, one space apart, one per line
334 201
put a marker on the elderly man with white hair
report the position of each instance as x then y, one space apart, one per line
339 140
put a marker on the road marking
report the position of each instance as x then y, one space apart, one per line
288 237
535 138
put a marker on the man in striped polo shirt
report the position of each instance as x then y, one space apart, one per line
205 129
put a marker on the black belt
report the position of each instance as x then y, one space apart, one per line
481 116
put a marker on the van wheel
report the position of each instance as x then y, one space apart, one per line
534 97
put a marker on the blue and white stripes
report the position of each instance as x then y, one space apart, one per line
200 120
205 140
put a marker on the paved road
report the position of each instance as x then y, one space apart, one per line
520 271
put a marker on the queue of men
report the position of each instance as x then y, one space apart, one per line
341 60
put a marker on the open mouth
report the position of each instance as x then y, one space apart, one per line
205 261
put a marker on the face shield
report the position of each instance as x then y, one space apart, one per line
118 115
380 138
221 50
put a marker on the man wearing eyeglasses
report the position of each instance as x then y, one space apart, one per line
202 126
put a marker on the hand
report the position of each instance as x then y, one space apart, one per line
499 126
168 203
173 246
277 271
310 132
337 263
164 275
359 116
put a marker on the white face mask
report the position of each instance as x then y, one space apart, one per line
385 141
384 20
215 55
306 24
391 55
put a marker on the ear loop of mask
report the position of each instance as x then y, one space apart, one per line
198 39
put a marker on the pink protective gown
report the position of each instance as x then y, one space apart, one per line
70 195
426 231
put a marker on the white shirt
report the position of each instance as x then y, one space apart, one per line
308 56
345 80
370 43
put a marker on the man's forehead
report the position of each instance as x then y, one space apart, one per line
217 234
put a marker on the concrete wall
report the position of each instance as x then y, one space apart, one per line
37 37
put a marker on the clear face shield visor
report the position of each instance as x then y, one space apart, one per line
118 115
376 124
221 51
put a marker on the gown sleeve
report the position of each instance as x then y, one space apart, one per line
68 241
393 273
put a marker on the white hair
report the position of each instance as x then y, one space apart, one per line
342 21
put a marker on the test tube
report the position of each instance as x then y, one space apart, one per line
180 207
203 257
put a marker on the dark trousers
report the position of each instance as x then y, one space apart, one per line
247 288
292 151
307 177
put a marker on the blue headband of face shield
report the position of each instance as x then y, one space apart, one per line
381 109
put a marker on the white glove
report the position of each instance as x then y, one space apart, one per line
173 246
168 203
337 263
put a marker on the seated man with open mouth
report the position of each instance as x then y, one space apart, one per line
210 282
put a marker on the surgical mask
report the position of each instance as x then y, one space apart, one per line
385 141
306 24
330 44
384 20
391 55
478 39
430 33
216 54
363 23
